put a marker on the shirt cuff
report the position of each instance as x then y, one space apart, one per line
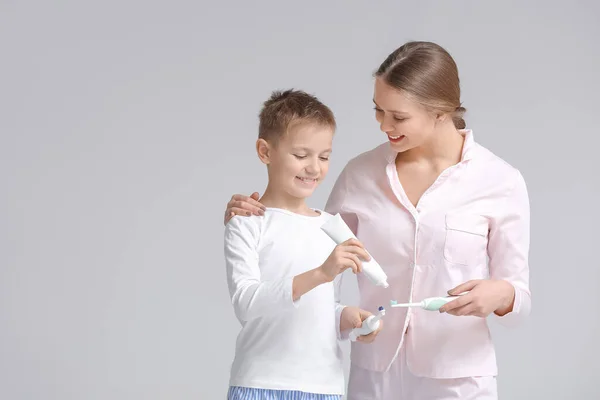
338 316
517 314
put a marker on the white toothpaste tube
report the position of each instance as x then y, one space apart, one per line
339 232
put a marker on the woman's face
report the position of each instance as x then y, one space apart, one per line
406 123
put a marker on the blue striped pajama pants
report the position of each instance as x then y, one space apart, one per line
244 393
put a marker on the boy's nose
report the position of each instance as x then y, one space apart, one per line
313 168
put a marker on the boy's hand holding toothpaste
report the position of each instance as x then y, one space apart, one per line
348 254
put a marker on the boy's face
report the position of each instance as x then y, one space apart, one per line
300 160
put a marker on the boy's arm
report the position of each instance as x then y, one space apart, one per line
306 282
337 285
252 297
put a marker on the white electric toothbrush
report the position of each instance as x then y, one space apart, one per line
370 324
429 304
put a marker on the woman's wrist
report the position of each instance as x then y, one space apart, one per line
508 298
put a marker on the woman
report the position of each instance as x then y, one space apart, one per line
441 214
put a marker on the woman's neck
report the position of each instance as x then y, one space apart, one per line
444 149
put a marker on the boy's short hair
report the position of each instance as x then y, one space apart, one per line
287 108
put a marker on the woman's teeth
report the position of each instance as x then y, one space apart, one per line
396 139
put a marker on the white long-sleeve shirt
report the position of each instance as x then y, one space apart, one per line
283 345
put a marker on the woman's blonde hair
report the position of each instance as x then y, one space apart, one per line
426 72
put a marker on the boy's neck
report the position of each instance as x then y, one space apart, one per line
277 199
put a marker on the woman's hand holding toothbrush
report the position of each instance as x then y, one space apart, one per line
485 297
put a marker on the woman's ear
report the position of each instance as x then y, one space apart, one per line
263 149
441 117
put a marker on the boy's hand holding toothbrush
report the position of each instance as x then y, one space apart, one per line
485 296
353 317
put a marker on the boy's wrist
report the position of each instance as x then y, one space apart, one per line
348 316
307 281
320 275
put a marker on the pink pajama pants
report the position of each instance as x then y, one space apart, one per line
398 383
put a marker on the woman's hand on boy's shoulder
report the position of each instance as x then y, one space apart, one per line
243 205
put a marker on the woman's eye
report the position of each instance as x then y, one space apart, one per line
299 157
377 109
324 158
399 119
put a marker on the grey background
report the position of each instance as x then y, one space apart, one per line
127 125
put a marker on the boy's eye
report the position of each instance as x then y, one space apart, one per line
299 156
399 119
377 109
324 158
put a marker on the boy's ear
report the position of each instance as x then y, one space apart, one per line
263 149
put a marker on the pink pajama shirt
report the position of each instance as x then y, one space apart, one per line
472 223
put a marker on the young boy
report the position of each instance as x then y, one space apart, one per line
282 269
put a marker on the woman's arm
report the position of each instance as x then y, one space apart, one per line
508 250
506 293
336 204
